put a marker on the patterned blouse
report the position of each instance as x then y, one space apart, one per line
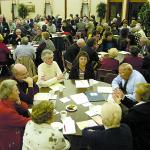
43 137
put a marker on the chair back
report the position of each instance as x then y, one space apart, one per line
101 73
68 65
109 77
28 62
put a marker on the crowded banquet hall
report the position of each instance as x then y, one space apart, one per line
74 74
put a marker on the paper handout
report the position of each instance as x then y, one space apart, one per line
104 89
82 83
85 124
80 98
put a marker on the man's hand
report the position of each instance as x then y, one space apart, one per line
118 95
29 80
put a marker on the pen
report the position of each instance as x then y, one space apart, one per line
64 128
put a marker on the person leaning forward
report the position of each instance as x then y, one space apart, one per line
26 86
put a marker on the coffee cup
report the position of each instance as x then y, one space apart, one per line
63 114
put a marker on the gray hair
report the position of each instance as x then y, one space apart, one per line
24 40
126 66
111 114
6 88
46 52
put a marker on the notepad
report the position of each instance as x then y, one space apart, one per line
94 96
44 96
57 87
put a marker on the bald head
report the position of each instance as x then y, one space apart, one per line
125 70
19 71
81 43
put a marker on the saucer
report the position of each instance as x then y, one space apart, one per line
71 107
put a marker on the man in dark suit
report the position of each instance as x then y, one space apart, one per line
73 50
4 29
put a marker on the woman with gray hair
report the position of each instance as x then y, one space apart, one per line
12 123
112 135
48 72
39 134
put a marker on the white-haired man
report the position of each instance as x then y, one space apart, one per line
126 81
73 50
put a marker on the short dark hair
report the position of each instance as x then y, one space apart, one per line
108 33
91 42
82 54
134 50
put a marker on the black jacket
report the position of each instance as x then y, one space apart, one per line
138 119
89 72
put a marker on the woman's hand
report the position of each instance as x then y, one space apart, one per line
60 77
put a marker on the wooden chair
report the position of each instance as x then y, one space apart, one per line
109 77
68 65
101 73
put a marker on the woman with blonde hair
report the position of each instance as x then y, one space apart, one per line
110 63
39 134
112 135
138 116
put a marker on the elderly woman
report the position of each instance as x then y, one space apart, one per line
134 59
39 135
12 121
82 68
112 135
110 63
48 72
138 116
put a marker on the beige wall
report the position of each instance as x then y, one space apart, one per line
58 6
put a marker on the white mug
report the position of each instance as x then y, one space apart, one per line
63 114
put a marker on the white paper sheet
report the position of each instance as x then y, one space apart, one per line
80 98
64 99
82 83
57 87
94 110
87 123
104 89
69 126
44 96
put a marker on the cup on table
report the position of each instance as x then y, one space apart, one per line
91 82
61 89
51 93
63 114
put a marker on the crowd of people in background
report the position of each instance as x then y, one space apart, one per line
32 68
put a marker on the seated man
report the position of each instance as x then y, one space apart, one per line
73 50
127 80
26 86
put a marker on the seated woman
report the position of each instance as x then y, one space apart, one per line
138 116
49 71
82 69
112 135
12 121
110 63
39 135
134 59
